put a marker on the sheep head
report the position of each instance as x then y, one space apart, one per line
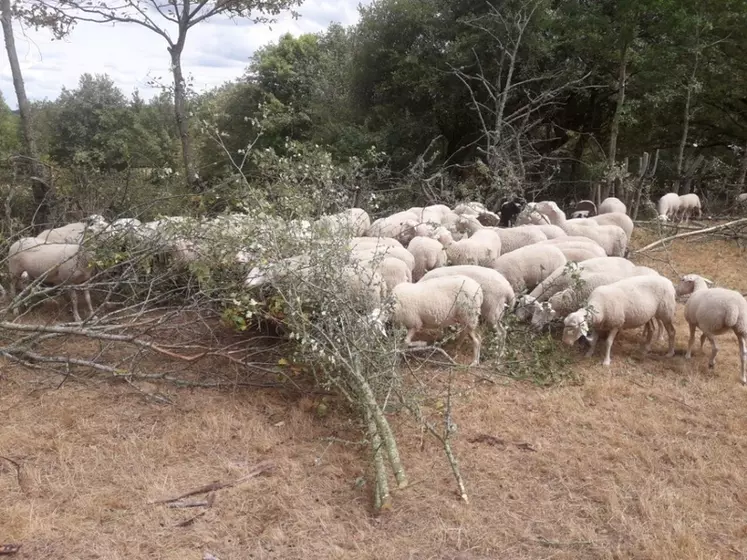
525 306
690 283
575 326
378 318
543 314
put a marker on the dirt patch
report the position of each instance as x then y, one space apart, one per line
644 460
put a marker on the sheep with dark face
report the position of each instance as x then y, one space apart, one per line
510 209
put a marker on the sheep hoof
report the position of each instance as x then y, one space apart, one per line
711 365
670 354
688 356
606 363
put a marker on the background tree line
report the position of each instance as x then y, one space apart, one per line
422 99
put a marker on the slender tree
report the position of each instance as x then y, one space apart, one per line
171 20
40 188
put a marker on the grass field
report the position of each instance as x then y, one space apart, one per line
644 460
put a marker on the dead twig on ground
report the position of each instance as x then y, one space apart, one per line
258 469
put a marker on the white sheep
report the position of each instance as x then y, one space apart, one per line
563 277
368 242
668 206
615 219
572 298
498 294
472 209
689 207
626 304
438 303
511 238
526 267
397 252
579 252
392 270
551 231
612 204
74 232
59 263
428 253
482 248
353 221
714 311
612 238
400 226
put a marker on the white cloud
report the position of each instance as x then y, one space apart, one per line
216 51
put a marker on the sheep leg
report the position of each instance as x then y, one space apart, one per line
476 345
691 343
608 346
702 340
671 332
87 296
649 330
408 339
714 344
13 296
592 344
74 301
743 357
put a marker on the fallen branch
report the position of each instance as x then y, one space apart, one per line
18 471
259 468
690 234
191 520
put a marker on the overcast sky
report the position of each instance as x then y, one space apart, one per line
217 50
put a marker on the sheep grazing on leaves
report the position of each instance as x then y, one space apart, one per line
689 207
437 303
714 311
60 264
668 207
526 267
626 304
482 248
428 253
498 295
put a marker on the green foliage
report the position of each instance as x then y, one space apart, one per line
533 356
9 130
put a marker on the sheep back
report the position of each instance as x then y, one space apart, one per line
497 292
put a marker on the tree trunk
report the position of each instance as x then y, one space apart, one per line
742 170
40 189
622 77
182 120
686 123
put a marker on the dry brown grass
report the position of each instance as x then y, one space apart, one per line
646 460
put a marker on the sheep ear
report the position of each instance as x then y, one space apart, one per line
709 282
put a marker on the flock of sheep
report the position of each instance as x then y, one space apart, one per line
439 266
